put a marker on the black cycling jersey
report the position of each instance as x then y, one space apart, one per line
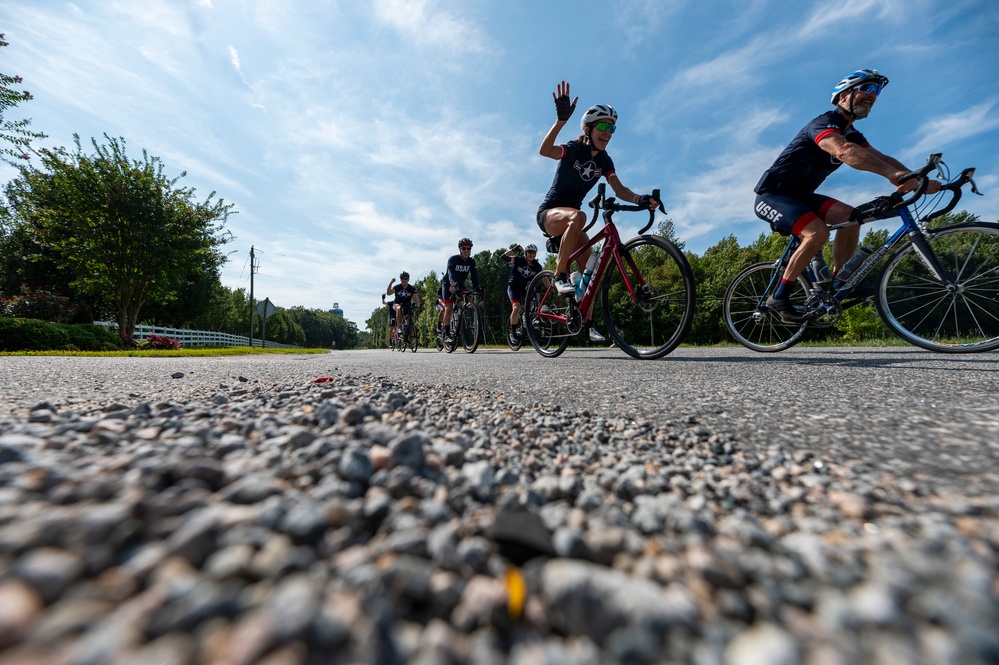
803 165
458 269
404 294
577 172
522 273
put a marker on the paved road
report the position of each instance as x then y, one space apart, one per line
902 411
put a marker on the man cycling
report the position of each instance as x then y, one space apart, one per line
459 267
786 197
523 270
406 296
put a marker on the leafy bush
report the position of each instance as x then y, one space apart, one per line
36 335
88 337
160 342
39 303
31 335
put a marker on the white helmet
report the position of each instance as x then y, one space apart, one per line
531 248
598 112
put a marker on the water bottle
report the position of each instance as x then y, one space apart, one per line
576 279
855 262
820 269
587 275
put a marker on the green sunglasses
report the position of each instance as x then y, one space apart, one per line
606 126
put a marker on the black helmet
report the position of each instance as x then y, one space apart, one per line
465 242
404 275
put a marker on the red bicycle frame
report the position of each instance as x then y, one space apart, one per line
612 248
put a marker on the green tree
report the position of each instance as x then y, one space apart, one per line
123 230
324 329
16 133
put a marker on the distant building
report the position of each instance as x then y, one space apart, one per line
336 310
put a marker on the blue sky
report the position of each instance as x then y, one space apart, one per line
361 138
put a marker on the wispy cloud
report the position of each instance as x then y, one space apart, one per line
827 15
938 133
234 59
425 23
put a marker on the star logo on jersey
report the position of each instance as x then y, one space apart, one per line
587 171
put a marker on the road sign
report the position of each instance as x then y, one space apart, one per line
266 308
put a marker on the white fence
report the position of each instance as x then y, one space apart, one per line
189 338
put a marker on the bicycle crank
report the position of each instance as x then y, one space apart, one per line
825 313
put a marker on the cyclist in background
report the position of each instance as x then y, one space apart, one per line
786 196
459 267
581 163
406 296
523 270
391 319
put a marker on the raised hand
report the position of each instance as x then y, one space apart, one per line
563 108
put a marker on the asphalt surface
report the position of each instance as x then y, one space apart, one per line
905 412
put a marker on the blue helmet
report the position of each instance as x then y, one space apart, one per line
858 78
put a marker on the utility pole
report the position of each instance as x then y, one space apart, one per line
252 308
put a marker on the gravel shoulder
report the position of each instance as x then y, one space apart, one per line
433 509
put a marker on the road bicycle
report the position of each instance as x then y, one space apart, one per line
410 335
646 284
466 322
938 290
515 337
395 343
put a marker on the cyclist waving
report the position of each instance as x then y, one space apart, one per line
786 196
523 270
581 163
406 296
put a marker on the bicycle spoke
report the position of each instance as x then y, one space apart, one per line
747 318
648 306
961 316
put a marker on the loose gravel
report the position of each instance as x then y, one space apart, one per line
360 519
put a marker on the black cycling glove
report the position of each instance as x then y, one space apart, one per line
563 108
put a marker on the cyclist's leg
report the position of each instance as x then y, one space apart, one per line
448 301
801 216
515 307
846 240
568 224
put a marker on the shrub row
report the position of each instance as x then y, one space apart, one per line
37 335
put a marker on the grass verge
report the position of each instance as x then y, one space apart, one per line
178 353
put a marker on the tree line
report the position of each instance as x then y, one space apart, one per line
93 233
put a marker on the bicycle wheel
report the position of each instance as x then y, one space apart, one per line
926 312
746 315
652 318
439 337
470 327
515 337
451 343
549 336
414 339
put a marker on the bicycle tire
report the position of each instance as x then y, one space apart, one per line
471 327
549 338
414 340
655 321
928 313
439 338
747 318
516 339
451 344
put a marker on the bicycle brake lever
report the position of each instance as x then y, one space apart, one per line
657 197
